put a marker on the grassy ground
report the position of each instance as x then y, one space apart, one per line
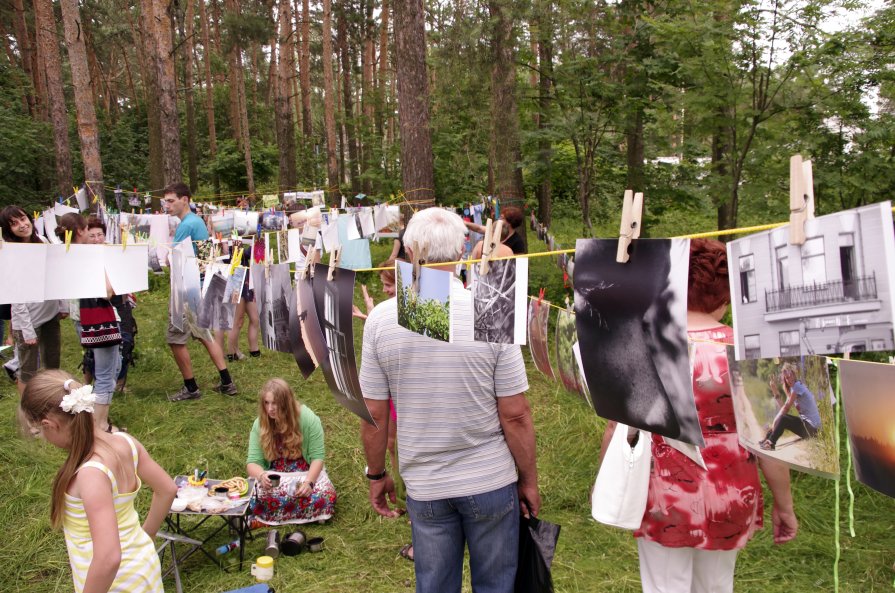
361 548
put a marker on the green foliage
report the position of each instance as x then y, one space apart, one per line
230 164
427 317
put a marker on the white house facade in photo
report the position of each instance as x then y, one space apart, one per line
833 294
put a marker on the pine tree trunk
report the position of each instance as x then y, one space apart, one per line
88 131
167 82
417 171
294 52
545 79
240 121
149 73
285 126
186 34
26 51
48 47
304 67
329 100
209 95
505 143
383 69
352 166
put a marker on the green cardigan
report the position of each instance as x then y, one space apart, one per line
311 439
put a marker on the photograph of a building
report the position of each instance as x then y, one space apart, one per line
833 294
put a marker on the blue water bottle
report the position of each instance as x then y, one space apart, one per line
227 547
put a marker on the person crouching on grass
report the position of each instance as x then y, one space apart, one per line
94 490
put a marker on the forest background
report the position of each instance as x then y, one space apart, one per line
561 104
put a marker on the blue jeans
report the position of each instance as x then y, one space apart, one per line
107 362
488 523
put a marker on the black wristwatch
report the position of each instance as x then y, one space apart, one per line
375 477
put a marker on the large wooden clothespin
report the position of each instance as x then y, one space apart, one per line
489 244
801 198
632 213
335 257
419 260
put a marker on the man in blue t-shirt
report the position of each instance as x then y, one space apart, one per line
807 423
192 228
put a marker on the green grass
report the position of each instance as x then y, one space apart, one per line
361 548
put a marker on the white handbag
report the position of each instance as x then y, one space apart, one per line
620 492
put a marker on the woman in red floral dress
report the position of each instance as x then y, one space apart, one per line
287 441
697 519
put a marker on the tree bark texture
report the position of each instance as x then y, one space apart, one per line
240 118
209 93
545 149
329 100
88 132
285 125
417 169
347 103
167 81
26 52
48 47
506 148
304 67
149 73
186 34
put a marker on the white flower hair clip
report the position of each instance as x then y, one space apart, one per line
78 400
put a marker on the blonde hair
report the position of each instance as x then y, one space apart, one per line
41 399
281 437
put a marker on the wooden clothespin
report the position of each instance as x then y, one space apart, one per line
491 241
632 212
541 296
419 260
335 257
801 198
235 259
67 240
123 241
313 258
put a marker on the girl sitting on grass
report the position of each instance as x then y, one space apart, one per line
94 490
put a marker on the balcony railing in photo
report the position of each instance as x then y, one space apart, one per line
826 293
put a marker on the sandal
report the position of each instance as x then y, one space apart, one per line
407 552
767 445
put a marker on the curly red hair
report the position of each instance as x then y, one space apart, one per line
708 282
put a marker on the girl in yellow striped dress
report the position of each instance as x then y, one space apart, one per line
94 490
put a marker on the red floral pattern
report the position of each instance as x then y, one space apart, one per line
277 507
720 507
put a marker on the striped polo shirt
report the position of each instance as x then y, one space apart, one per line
450 442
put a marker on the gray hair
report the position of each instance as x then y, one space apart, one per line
437 232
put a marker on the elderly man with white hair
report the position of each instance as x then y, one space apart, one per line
466 443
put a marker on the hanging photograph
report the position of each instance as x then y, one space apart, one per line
333 343
245 222
273 291
784 411
583 389
297 339
233 291
631 320
500 302
214 313
223 222
365 220
426 313
356 252
565 358
868 399
833 294
538 318
273 221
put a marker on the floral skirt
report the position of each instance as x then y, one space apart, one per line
280 505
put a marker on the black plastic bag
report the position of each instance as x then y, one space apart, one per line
537 543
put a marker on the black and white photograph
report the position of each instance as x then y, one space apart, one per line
583 389
631 320
332 300
176 307
784 411
365 221
214 313
154 264
499 302
354 227
566 337
538 321
868 400
297 314
831 295
245 222
273 221
222 222
273 291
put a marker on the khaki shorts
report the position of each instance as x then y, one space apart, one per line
190 330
